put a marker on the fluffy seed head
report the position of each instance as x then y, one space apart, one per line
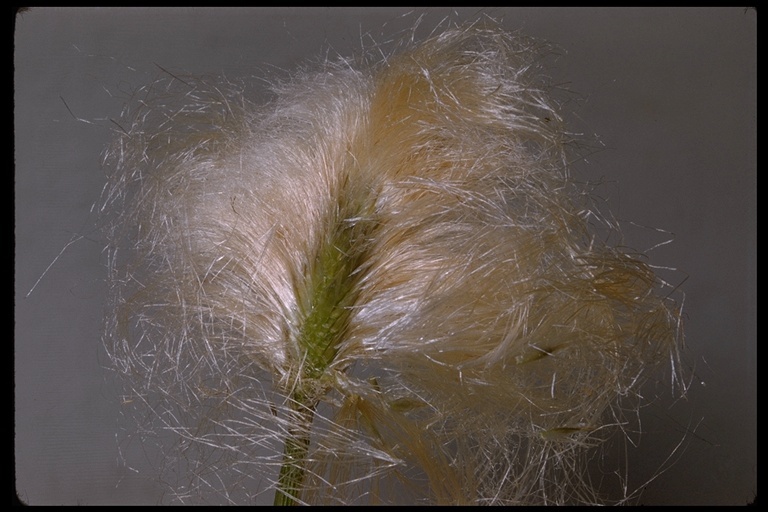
397 246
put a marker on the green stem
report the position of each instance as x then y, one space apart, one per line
325 299
292 473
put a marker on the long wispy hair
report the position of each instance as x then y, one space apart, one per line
382 286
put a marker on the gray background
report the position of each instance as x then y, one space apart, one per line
671 94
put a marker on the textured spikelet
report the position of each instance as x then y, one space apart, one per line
379 287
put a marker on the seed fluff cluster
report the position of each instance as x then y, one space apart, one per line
379 287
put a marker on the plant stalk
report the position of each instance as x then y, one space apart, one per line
325 305
290 483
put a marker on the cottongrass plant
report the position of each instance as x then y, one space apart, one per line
380 287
